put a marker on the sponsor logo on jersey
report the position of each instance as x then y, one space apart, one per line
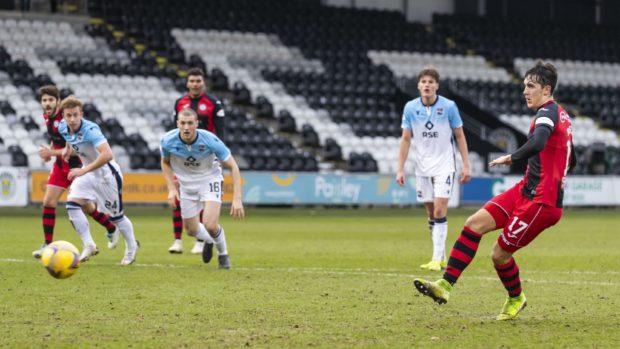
431 134
191 162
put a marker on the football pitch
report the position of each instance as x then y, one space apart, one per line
327 278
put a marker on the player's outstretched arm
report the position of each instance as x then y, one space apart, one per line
173 192
502 160
46 152
236 209
403 152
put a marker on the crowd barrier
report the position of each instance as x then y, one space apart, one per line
21 187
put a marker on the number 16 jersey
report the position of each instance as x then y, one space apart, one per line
193 164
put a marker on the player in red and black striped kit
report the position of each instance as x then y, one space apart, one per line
529 207
57 182
211 118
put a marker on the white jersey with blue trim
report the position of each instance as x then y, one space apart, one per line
194 163
85 142
432 131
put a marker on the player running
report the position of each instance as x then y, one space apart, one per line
211 118
189 154
99 180
57 182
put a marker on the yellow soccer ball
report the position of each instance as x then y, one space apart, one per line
61 259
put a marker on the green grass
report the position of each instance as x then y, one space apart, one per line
309 278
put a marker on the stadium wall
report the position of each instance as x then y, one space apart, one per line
21 187
414 10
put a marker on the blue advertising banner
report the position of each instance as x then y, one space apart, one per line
283 188
481 189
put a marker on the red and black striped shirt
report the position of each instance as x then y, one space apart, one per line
209 109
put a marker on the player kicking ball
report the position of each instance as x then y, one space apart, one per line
525 210
194 155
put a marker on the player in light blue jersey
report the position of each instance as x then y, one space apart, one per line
194 155
430 122
98 181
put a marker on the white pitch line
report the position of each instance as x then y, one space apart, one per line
379 272
328 271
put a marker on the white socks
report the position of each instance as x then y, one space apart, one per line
203 235
440 233
126 228
220 242
219 239
80 223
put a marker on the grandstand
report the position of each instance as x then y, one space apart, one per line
306 86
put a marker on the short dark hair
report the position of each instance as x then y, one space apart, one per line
195 71
430 71
49 90
189 111
544 74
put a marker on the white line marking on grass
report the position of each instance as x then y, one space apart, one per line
360 272
12 260
158 265
380 272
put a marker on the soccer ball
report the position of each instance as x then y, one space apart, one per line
61 259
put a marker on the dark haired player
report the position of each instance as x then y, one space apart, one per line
529 207
57 182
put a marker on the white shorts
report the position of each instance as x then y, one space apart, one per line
193 199
106 192
428 188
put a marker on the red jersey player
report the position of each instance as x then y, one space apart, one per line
57 182
529 207
211 118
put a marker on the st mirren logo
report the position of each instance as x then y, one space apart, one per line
8 185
